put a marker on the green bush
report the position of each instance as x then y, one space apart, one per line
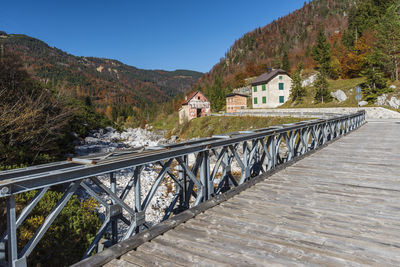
67 238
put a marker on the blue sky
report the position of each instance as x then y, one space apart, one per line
169 34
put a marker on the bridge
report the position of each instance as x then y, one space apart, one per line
291 203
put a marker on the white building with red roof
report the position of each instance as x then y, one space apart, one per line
195 105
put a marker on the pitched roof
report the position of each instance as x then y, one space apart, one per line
233 94
266 77
189 97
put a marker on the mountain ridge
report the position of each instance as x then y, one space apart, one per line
106 81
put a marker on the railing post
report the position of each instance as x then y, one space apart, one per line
245 170
185 191
274 151
12 235
114 220
205 176
137 187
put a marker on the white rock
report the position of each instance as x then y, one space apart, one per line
339 95
393 86
91 140
381 100
309 81
394 102
362 103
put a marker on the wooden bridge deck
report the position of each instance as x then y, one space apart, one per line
339 206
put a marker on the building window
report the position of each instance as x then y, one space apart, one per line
280 86
255 88
280 77
264 99
281 99
263 87
255 100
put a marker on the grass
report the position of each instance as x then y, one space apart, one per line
170 123
208 126
346 85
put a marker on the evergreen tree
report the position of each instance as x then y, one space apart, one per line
276 64
321 53
297 90
217 95
389 38
285 62
364 16
376 83
321 88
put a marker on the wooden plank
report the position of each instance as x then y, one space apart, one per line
179 255
378 231
308 252
143 259
384 212
190 253
226 252
120 263
303 232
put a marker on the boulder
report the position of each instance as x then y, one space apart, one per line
394 102
173 138
362 103
339 95
393 86
381 100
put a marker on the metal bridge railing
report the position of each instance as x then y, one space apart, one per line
255 152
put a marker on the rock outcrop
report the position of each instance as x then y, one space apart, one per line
384 100
309 81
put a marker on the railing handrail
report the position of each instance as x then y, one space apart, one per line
79 171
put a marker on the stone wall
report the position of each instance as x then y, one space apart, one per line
371 112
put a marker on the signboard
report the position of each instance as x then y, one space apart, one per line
358 95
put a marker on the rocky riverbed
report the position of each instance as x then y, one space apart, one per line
108 140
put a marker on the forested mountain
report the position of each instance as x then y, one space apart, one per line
289 38
105 81
356 37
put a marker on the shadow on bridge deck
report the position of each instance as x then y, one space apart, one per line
338 206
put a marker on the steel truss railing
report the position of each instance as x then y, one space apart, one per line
255 152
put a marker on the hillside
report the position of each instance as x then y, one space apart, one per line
106 81
340 39
294 35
